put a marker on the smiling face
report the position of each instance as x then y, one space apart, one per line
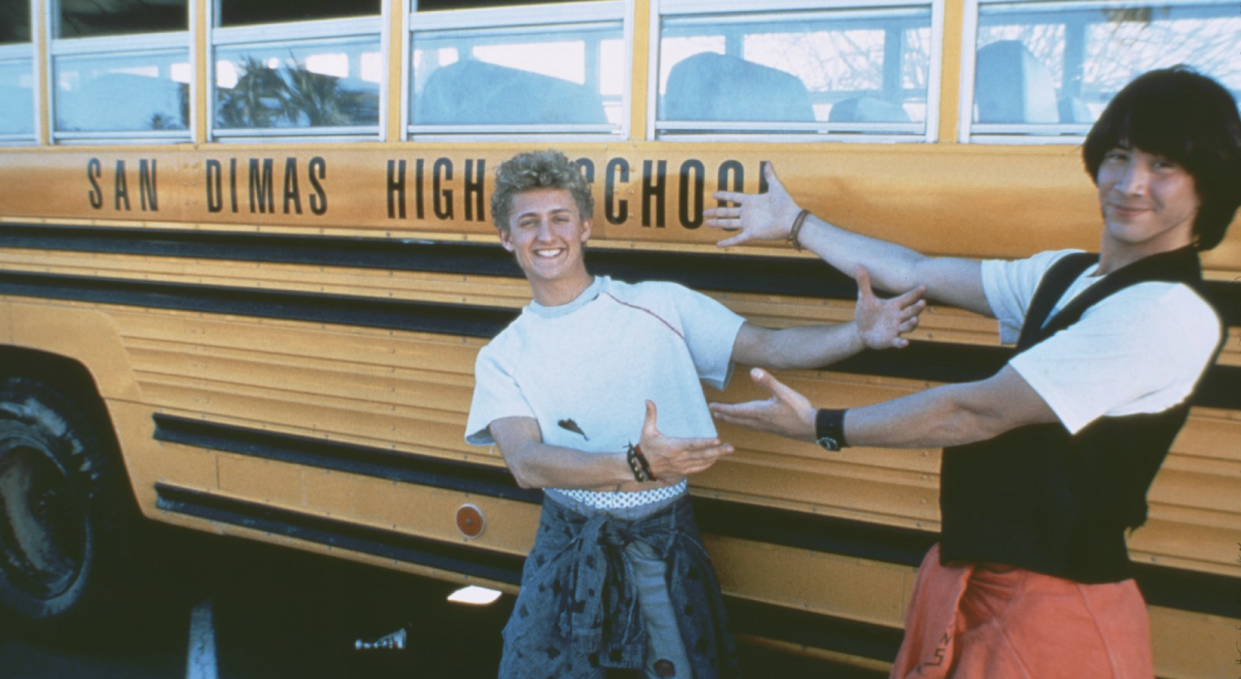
546 234
1149 205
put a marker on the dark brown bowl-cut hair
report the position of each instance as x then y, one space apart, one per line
1189 119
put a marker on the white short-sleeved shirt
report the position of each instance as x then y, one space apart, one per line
584 370
1140 350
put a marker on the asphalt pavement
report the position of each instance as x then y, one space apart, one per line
224 608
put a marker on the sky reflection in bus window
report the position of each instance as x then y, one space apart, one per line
250 12
95 18
1053 70
557 76
302 84
825 71
122 93
437 5
16 97
14 21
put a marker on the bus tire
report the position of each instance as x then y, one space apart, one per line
67 516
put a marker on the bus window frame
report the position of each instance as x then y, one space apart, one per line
540 17
117 45
295 33
769 132
1027 134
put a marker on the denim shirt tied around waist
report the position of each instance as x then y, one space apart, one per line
578 609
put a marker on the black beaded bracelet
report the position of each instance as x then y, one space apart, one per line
646 465
829 429
636 464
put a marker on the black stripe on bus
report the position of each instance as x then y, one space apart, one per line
716 271
422 470
1172 588
451 319
381 542
747 617
816 630
802 277
925 361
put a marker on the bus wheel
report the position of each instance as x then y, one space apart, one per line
65 510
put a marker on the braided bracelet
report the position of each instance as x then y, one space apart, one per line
796 230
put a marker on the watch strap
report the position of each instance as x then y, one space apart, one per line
829 428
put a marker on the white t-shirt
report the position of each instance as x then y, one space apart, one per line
584 370
1140 350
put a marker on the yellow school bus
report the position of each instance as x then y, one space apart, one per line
246 265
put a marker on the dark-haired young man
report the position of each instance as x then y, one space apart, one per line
1047 463
594 394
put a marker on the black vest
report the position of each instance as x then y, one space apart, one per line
1041 499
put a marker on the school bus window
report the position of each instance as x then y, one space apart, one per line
305 78
16 73
437 5
119 71
16 98
93 18
249 12
14 22
544 70
757 69
1047 70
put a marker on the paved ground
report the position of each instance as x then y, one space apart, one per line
273 613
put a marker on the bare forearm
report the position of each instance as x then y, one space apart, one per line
896 268
892 267
809 346
930 419
943 416
539 465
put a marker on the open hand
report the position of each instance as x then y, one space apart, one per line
786 413
760 216
672 458
881 322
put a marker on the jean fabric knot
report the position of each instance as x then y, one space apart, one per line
578 611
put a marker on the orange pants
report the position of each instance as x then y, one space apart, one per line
987 621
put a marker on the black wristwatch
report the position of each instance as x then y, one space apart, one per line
829 429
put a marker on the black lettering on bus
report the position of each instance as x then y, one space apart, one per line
262 190
654 186
420 205
474 189
730 178
692 189
121 185
215 196
232 182
762 176
587 167
146 185
94 169
443 197
616 211
396 189
318 170
291 192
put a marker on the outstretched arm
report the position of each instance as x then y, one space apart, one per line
539 465
953 414
877 324
895 268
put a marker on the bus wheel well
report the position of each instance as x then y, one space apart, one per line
63 374
68 520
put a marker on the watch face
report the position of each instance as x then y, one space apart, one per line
828 443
